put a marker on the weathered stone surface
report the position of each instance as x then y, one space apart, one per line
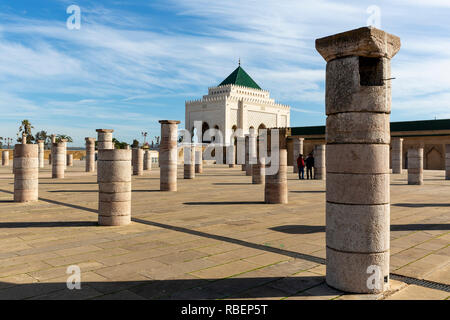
366 41
357 158
356 127
415 166
258 172
319 162
168 155
26 170
147 160
348 271
114 177
358 228
275 189
358 104
69 160
5 158
397 155
137 160
90 154
345 93
231 156
189 162
40 144
58 160
199 161
365 189
104 139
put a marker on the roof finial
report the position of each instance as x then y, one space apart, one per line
239 61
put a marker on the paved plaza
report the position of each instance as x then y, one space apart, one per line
212 239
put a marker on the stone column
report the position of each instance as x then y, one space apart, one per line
358 105
24 138
168 155
397 154
53 140
26 171
147 160
189 162
297 149
319 162
447 162
137 161
90 154
104 139
40 144
65 152
276 190
58 160
114 184
199 160
5 158
415 166
231 154
69 160
259 174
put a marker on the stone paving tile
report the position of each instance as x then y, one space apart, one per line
413 292
225 270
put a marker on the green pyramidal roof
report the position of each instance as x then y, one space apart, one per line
241 78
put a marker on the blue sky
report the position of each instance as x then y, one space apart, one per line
133 63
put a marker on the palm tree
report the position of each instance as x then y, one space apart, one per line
25 127
59 137
42 135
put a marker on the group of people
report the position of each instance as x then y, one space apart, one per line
308 163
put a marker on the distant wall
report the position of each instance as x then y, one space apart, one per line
77 154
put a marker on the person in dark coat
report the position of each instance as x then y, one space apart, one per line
301 167
309 165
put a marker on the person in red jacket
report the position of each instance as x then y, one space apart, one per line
301 167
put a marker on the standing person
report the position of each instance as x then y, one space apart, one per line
301 167
309 166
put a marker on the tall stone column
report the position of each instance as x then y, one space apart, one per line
397 154
319 162
168 155
65 152
40 144
447 162
137 161
69 160
90 154
275 190
53 140
114 184
231 154
199 160
58 160
104 139
258 172
189 162
297 149
24 138
26 171
358 105
5 158
415 166
147 160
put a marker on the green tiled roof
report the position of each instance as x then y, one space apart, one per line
241 78
423 125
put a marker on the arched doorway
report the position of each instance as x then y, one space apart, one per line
434 160
261 126
205 127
